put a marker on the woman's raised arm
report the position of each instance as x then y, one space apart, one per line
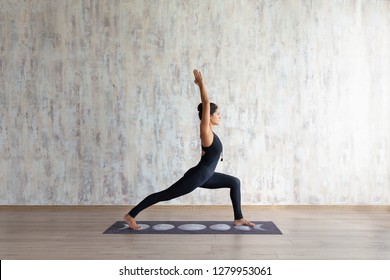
206 133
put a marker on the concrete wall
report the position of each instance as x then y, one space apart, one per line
98 104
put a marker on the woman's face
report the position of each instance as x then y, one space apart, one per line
216 117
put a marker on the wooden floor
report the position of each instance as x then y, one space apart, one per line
68 232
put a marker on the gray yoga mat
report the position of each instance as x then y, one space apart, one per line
193 227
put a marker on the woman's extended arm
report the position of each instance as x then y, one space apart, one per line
206 133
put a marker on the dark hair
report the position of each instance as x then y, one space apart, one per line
213 108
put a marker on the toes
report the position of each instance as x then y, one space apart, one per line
136 227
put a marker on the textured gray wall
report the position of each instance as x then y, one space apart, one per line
98 105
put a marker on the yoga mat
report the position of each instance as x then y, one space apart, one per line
193 227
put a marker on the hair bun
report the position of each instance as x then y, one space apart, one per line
200 107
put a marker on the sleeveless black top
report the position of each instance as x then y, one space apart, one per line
212 154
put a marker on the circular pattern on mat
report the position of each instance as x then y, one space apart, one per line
243 228
161 227
125 226
143 226
192 227
220 227
259 227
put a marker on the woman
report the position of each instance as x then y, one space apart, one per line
202 175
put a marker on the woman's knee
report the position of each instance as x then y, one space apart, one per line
236 183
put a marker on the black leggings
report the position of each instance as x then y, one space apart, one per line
192 179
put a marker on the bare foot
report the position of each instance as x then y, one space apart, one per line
243 222
131 222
